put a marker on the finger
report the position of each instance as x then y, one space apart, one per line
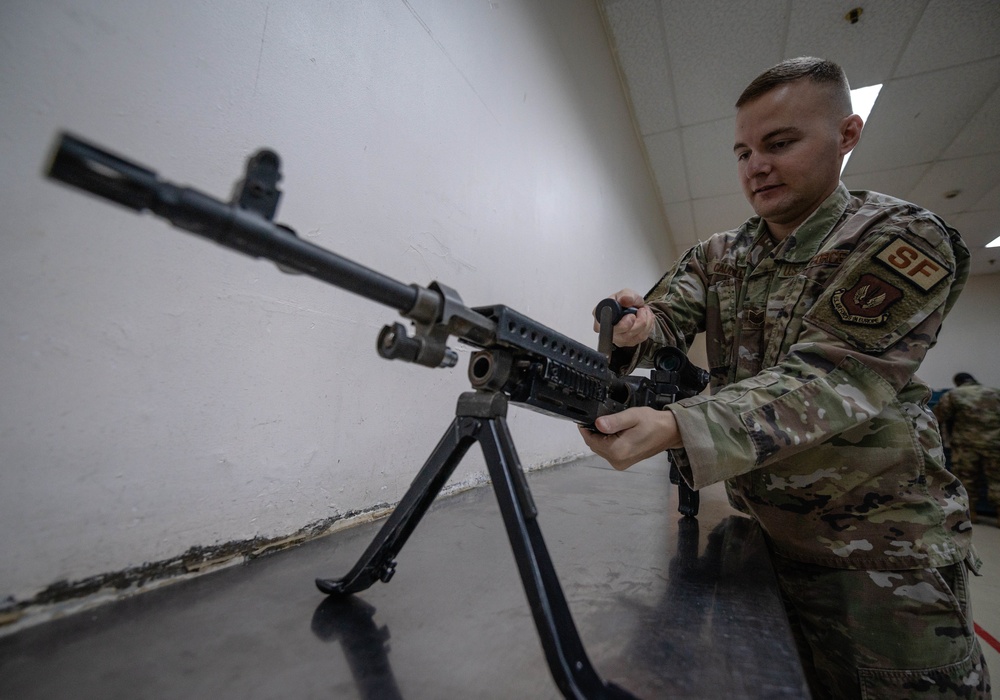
626 324
609 447
629 297
595 441
616 422
631 333
638 329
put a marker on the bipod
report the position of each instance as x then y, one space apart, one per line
481 417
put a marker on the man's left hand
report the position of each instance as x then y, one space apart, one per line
633 435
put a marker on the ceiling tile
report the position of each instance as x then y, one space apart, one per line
708 155
978 229
982 133
716 47
971 178
642 54
866 50
950 33
915 119
681 221
722 213
984 262
664 150
897 183
991 200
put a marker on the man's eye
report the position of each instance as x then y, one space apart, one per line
742 156
778 145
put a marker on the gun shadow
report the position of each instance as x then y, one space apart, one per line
350 621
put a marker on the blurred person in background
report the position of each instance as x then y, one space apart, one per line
970 422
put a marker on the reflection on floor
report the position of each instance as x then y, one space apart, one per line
986 593
665 608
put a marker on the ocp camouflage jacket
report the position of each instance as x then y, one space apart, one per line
815 418
977 410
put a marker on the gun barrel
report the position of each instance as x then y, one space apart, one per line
536 366
106 175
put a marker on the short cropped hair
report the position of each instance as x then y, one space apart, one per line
964 378
816 69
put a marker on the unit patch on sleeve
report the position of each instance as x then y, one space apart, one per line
869 307
912 264
867 302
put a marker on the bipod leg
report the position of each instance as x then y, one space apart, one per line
378 563
481 417
567 659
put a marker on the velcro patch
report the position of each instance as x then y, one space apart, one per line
912 264
867 302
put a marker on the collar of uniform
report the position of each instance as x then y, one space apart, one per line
803 243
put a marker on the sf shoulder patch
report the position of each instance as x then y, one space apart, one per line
913 265
867 302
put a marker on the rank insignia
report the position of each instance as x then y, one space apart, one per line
867 302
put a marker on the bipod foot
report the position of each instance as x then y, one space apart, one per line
378 562
368 575
330 586
481 418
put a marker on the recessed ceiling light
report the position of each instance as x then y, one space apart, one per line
862 99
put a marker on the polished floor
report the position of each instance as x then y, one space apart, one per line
986 593
665 607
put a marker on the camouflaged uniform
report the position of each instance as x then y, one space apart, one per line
818 425
970 418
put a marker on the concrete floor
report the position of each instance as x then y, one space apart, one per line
986 593
665 607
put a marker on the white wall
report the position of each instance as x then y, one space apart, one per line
158 392
970 337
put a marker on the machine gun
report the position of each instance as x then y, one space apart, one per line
517 360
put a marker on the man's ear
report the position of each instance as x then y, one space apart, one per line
850 133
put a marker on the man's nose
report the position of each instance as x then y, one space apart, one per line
757 164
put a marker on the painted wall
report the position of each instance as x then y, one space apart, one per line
970 337
158 392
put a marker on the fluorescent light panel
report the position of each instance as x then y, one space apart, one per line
862 100
995 243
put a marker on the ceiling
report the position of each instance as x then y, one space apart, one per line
933 137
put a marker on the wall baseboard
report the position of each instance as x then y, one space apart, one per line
64 598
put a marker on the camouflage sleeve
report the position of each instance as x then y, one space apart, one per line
859 345
678 303
944 409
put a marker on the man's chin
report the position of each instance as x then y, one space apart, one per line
777 205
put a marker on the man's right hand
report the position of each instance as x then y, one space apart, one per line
635 328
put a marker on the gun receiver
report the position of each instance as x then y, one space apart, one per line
518 360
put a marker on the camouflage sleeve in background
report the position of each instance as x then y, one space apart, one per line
970 415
